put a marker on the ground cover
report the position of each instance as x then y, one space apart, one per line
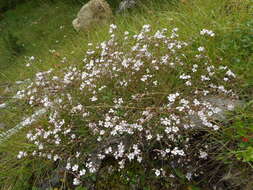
230 46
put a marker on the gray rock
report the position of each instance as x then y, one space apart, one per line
2 126
53 181
93 13
126 4
3 105
222 104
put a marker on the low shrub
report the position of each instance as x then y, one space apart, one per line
136 99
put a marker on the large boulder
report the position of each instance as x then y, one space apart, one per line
93 13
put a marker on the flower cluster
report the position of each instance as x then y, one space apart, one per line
134 98
207 32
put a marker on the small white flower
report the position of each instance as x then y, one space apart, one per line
77 154
172 97
167 150
31 58
102 132
56 157
131 156
157 172
189 176
188 83
93 99
75 168
230 73
82 172
76 181
149 137
200 49
68 166
203 154
139 159
41 147
73 136
21 154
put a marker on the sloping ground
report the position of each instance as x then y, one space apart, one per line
48 36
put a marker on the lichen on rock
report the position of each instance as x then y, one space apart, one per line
93 13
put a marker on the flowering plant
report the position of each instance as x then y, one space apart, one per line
144 98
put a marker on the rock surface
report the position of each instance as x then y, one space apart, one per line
2 126
222 104
126 4
93 13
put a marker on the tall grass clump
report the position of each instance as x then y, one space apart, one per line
13 44
136 98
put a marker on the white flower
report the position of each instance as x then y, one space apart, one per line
159 137
73 136
77 154
56 157
149 137
31 58
102 132
176 151
139 159
159 35
230 73
68 166
165 121
155 83
207 32
184 76
167 130
200 49
203 154
172 97
93 99
113 26
146 28
188 176
167 150
21 154
188 83
82 172
157 172
76 181
216 127
108 150
75 168
131 156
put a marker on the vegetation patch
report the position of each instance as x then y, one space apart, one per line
139 106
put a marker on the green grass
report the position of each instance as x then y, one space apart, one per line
38 27
38 31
